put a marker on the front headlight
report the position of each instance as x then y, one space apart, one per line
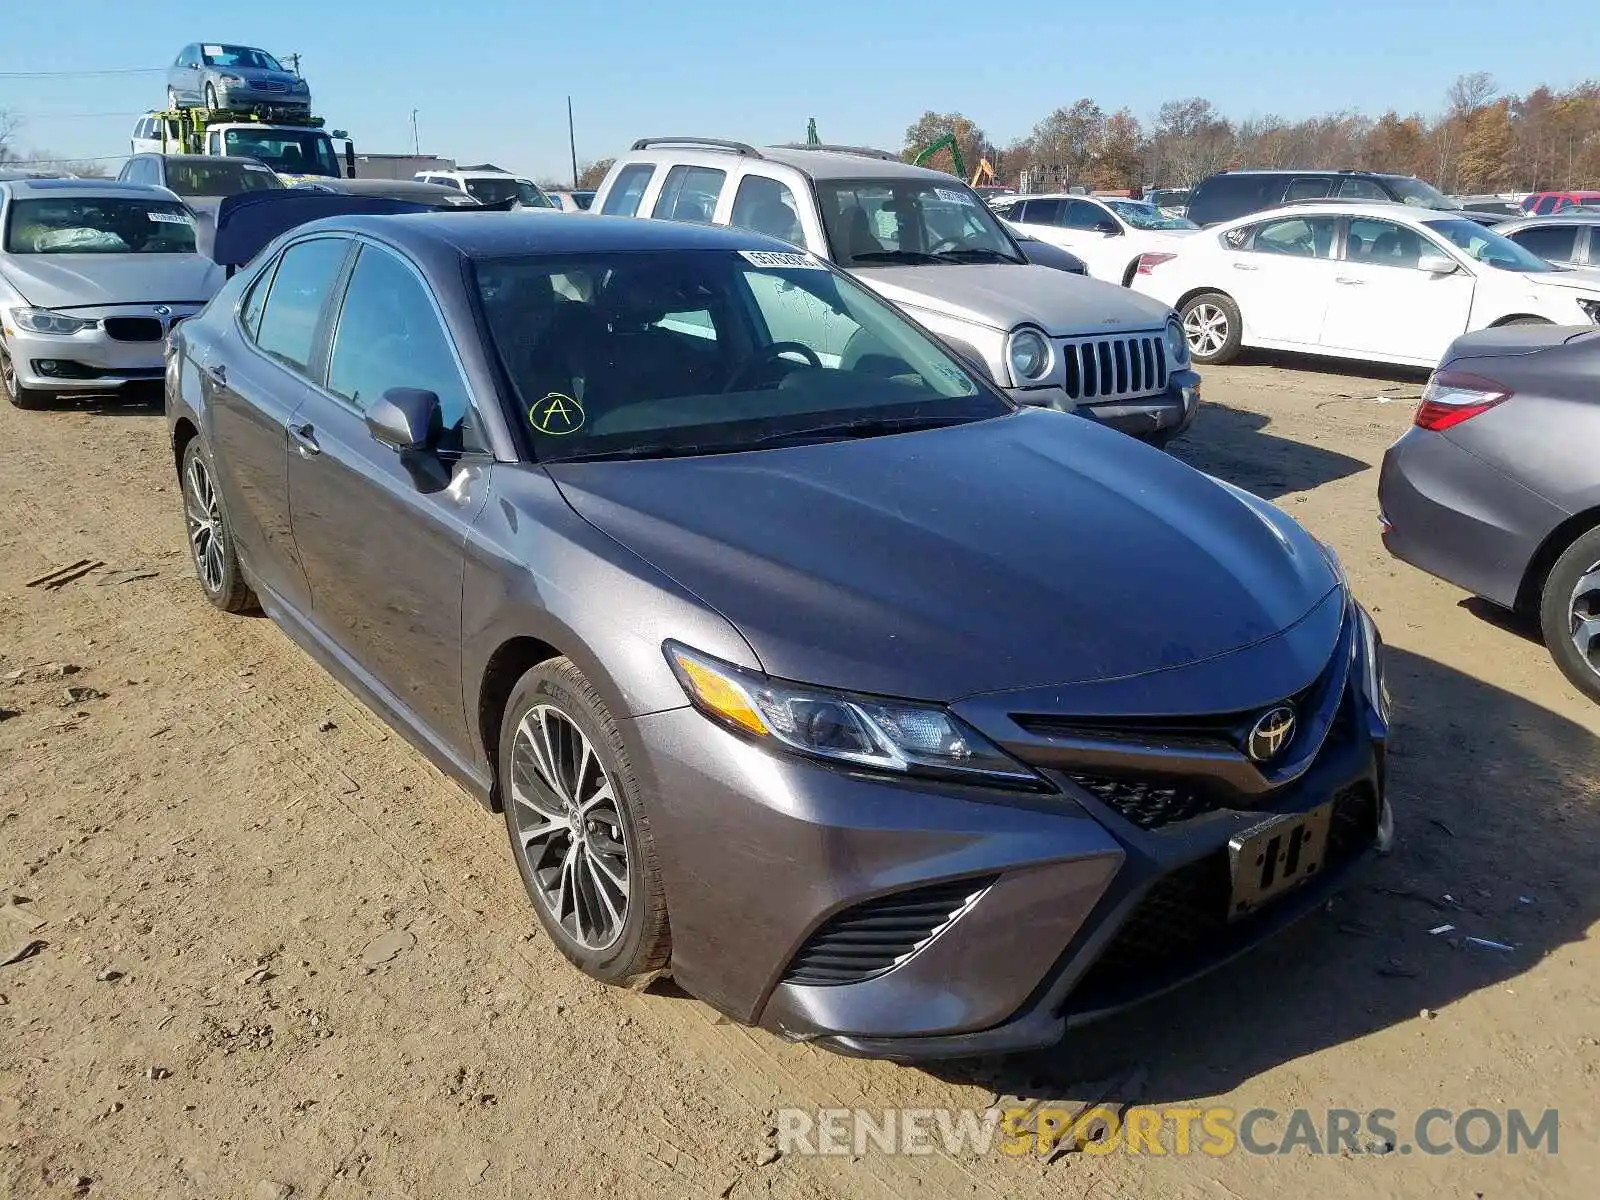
1373 680
231 79
299 85
1591 307
891 736
1028 355
42 320
1177 344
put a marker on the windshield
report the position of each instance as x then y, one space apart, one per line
291 151
1420 195
661 353
1146 216
1489 247
239 56
219 177
1168 197
873 222
102 225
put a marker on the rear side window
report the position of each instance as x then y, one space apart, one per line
690 194
255 300
287 328
1041 212
1558 243
1080 214
1223 197
623 199
1309 189
1547 204
1362 189
1298 237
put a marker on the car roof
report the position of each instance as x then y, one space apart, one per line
818 163
494 234
1560 218
1311 171
1408 214
82 188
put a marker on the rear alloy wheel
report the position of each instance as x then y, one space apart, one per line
1569 613
210 538
579 833
1213 328
20 397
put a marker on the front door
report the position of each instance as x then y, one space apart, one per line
1280 273
1385 305
382 533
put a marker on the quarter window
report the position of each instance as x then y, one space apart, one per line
390 336
287 327
623 199
690 194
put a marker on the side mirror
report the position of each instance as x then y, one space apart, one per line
1438 264
1108 227
405 419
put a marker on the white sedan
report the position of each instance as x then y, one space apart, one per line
1108 233
1380 282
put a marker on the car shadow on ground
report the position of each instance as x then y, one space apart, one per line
1379 373
1492 793
1524 625
1231 443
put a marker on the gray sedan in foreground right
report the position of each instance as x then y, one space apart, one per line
1497 487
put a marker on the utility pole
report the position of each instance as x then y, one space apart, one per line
416 144
572 143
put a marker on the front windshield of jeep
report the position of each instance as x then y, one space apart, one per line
873 222
287 151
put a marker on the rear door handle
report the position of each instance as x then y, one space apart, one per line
1348 282
305 440
1238 266
217 371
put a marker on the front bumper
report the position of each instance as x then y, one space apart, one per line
243 96
1449 513
1017 915
92 360
1167 413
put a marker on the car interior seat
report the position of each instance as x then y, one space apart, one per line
858 235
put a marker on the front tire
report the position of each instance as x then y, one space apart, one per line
1213 327
1569 613
211 545
579 832
211 98
172 101
16 393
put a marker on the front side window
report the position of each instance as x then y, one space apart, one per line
1553 243
1299 237
1042 212
531 195
1488 247
767 206
291 151
1080 214
873 222
623 199
99 225
690 194
1385 244
1142 215
287 329
653 354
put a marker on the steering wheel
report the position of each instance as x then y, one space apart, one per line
767 355
949 243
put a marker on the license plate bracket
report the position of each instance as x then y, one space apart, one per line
1275 857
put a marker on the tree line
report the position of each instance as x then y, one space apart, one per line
1482 141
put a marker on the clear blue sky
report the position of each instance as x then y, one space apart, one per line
491 83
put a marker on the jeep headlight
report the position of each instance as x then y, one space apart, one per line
1177 344
891 736
42 320
1028 355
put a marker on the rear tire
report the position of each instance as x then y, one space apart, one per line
21 397
1569 613
1213 327
211 545
579 831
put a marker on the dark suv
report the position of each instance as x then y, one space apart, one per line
1230 194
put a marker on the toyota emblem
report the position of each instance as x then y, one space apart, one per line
1272 731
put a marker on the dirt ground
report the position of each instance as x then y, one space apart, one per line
211 839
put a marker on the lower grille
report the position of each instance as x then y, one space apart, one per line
1149 804
267 85
1115 368
133 329
874 937
1182 923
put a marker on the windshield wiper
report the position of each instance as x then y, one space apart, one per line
895 256
648 450
861 428
975 254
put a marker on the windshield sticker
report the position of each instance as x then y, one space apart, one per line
953 196
556 415
166 218
781 260
211 51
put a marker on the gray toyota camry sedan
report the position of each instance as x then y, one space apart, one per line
878 710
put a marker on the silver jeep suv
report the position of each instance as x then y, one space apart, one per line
926 241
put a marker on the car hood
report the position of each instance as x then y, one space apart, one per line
95 280
1582 279
1003 296
1032 550
258 74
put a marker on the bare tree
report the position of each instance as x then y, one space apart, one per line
9 124
591 175
931 127
1190 140
1471 92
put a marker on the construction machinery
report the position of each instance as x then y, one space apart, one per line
947 142
297 148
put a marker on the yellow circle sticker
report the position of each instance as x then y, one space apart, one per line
556 415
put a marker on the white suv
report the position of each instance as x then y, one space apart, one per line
925 240
490 185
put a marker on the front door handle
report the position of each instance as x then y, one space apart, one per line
1348 282
305 440
1238 266
217 371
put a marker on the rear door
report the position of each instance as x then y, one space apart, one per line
1280 273
1384 305
252 395
382 533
